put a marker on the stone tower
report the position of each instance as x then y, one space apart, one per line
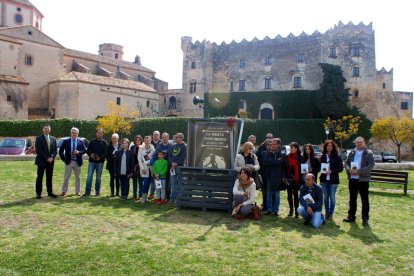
111 50
14 13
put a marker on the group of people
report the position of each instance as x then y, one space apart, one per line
297 172
150 162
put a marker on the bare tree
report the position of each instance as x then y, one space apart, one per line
18 95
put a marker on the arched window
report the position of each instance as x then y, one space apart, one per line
172 103
266 111
356 93
18 18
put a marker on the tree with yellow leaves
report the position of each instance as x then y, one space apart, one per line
119 118
344 127
399 131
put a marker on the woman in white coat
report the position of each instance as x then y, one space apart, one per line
145 152
247 159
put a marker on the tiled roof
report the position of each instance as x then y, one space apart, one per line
100 80
107 60
15 79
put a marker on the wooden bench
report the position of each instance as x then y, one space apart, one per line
390 177
205 188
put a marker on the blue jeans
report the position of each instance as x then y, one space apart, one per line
136 185
173 182
316 219
91 169
124 186
273 201
145 185
329 196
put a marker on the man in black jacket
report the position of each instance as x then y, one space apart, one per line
274 164
46 151
97 151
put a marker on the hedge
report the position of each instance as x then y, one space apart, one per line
299 130
299 104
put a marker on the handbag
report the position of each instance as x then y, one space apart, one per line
288 182
256 213
258 181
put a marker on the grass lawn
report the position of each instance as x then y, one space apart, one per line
105 236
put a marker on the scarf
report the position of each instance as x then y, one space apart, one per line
245 184
293 166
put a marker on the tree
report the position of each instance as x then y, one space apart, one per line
17 94
399 131
332 98
344 127
119 118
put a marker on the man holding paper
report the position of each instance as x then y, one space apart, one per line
359 165
311 200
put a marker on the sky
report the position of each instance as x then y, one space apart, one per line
153 29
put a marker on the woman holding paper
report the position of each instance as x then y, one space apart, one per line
294 176
310 164
331 166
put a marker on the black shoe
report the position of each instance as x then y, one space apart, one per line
52 195
112 195
266 213
306 222
38 196
296 215
290 214
349 220
85 195
365 222
275 214
97 194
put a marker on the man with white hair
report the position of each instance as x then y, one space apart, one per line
71 153
359 165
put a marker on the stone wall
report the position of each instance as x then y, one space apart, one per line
218 68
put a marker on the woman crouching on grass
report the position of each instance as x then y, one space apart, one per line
244 192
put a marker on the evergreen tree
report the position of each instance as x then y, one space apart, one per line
332 98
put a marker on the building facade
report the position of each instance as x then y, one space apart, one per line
292 63
54 82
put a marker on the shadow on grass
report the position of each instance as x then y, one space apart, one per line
389 193
170 214
364 234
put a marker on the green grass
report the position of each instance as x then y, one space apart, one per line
104 236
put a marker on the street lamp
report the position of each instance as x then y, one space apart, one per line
327 133
201 102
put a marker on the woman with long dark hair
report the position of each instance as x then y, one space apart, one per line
330 176
294 177
244 193
308 157
136 178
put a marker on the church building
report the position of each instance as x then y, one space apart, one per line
40 78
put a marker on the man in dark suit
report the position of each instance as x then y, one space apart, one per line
71 153
46 150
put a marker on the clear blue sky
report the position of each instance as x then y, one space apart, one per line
153 29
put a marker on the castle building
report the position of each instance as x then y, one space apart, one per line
292 63
39 78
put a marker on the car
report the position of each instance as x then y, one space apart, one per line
14 146
286 148
377 156
345 153
60 141
388 157
317 150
